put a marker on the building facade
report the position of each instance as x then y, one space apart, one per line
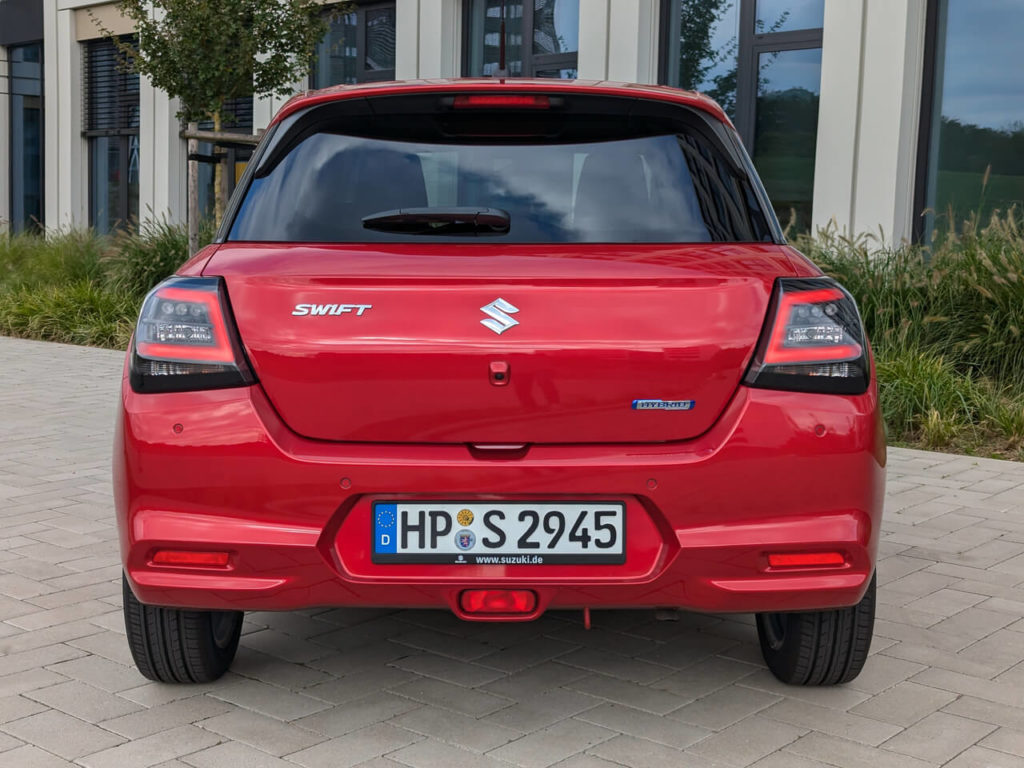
894 117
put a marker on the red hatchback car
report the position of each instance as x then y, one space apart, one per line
500 347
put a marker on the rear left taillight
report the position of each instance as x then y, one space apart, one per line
813 340
186 339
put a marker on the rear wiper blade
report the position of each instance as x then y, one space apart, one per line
441 220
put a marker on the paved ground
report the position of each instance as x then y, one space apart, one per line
945 684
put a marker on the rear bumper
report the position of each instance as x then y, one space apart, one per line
779 472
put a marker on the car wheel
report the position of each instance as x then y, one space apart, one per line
818 647
170 645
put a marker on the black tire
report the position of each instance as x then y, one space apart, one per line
170 645
818 647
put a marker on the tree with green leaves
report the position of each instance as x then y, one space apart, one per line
207 52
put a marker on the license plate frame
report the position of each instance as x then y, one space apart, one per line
386 513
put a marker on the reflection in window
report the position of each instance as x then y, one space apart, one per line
976 140
702 48
26 105
359 46
336 55
380 40
111 124
556 26
105 183
485 37
788 15
664 188
553 26
237 118
785 131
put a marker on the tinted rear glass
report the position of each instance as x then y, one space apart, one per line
666 187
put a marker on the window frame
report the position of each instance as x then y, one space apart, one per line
363 75
40 222
122 134
749 47
532 62
926 119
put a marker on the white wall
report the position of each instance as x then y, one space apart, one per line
619 40
162 155
428 39
65 156
872 58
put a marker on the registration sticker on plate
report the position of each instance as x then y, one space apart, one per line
499 533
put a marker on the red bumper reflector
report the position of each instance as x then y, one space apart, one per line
187 557
495 101
498 601
806 560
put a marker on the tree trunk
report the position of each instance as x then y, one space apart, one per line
218 180
193 194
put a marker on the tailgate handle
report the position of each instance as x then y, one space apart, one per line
499 450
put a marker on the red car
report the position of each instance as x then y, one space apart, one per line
498 348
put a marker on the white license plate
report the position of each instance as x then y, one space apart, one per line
499 533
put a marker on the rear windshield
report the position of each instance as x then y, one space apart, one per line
671 187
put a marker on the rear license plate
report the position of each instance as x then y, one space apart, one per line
499 533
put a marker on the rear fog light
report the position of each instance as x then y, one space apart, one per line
498 601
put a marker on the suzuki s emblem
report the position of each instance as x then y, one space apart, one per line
498 319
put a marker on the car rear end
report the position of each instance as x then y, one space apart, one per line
499 349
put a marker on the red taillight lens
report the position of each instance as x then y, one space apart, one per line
501 101
185 339
813 341
806 560
498 601
188 557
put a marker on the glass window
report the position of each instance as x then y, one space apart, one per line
111 124
359 47
556 26
761 61
26 157
788 15
652 188
975 130
702 48
379 53
237 119
785 131
104 183
552 25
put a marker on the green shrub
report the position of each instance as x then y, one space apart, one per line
138 261
947 328
28 259
79 312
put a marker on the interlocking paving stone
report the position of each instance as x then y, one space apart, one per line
385 689
64 735
904 704
153 749
939 737
29 756
542 748
980 757
356 747
640 753
747 741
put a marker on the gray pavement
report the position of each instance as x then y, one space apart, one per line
340 687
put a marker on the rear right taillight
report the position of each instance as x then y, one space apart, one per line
186 340
813 340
